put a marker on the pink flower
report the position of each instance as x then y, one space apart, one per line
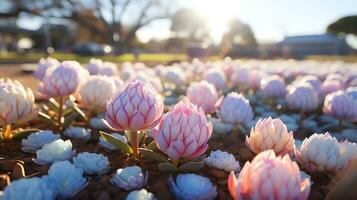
340 105
43 65
63 80
302 97
273 86
255 77
269 177
329 86
204 95
183 132
136 107
270 134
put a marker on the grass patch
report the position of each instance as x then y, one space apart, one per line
34 57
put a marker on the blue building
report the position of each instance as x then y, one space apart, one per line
305 45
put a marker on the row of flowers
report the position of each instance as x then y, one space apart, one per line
182 133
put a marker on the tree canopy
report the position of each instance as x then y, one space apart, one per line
344 25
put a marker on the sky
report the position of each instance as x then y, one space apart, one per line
270 20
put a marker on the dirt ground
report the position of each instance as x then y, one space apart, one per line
14 72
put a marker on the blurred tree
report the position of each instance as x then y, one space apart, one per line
239 40
238 33
190 24
115 21
344 25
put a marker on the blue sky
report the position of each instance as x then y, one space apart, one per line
269 19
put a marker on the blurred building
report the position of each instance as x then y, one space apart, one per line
304 45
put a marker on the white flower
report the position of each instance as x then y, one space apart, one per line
222 160
235 109
217 78
348 152
140 195
66 179
192 186
91 163
94 66
57 150
36 140
96 91
109 69
16 102
32 188
273 86
175 76
130 178
42 66
78 133
107 145
204 95
320 153
302 97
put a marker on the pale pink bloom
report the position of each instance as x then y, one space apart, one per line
270 134
16 103
340 105
117 81
153 80
240 77
62 81
136 107
96 92
338 77
94 66
183 132
320 153
269 177
204 95
329 86
235 109
109 69
255 77
273 86
217 78
43 65
302 97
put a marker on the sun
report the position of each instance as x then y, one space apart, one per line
218 13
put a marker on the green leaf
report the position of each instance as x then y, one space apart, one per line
190 167
53 104
69 119
147 153
23 134
152 146
166 167
116 142
46 118
67 111
81 113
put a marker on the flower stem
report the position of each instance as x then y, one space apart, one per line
60 111
7 131
175 162
340 125
134 143
301 120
